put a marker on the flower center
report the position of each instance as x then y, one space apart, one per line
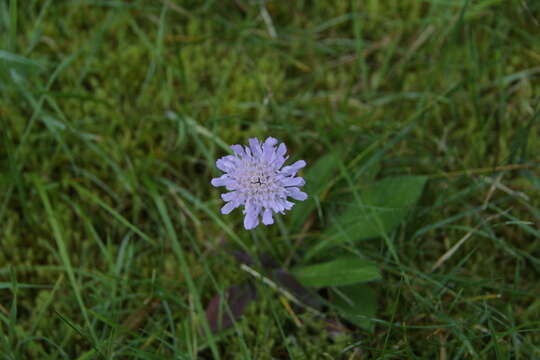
258 181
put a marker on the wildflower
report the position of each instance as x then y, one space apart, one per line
255 178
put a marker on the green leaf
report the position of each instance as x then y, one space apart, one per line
342 271
356 304
382 207
318 177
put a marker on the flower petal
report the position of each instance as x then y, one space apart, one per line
270 141
226 163
277 206
267 217
238 149
293 168
293 181
251 220
228 207
223 180
269 150
281 150
296 194
255 147
288 205
279 161
229 196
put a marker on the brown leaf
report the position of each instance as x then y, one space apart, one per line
301 293
223 311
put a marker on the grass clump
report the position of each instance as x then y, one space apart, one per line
113 113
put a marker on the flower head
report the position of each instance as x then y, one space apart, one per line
255 178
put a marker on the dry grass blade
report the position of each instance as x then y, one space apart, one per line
447 255
288 295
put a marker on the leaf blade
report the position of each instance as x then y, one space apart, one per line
384 206
356 304
341 271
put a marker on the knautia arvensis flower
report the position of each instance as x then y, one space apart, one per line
255 178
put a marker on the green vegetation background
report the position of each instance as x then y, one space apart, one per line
113 113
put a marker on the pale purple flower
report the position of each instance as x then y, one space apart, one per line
255 178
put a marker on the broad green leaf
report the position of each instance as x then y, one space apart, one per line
318 177
382 207
342 271
356 304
